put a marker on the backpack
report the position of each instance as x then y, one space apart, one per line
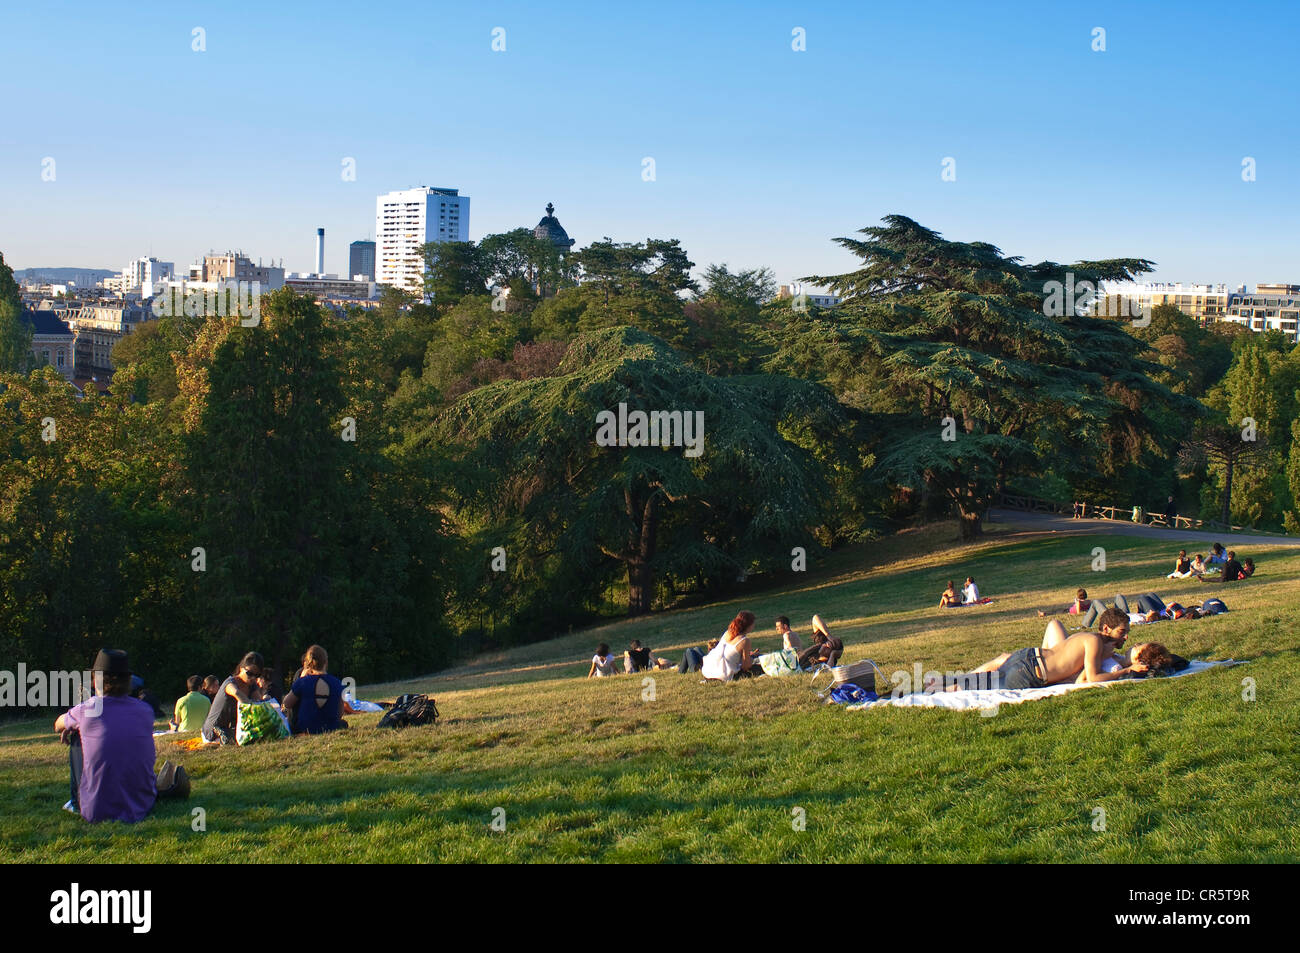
410 710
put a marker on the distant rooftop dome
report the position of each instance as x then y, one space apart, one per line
551 229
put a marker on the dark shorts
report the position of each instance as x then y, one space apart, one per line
1022 670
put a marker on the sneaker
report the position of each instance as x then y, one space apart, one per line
71 808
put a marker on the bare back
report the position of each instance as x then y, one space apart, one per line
1064 662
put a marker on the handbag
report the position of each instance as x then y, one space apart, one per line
863 674
259 721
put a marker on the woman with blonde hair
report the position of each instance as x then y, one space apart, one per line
316 698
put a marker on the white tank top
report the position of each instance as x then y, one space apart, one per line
723 662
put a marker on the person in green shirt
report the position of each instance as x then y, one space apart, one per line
191 709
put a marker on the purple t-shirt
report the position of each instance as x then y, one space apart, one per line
117 779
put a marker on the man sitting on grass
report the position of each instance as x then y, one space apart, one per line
111 749
191 709
1080 657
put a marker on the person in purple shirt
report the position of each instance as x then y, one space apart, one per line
112 753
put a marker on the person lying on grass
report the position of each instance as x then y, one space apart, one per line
1153 654
1080 657
733 657
826 648
949 597
1079 606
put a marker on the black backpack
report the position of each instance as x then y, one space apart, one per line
410 710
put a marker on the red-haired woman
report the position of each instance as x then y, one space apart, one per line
733 657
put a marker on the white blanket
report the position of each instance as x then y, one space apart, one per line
990 699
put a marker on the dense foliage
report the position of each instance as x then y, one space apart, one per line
411 482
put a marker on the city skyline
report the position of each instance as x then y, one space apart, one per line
762 153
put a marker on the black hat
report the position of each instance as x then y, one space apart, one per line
112 662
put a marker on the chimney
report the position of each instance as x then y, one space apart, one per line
320 251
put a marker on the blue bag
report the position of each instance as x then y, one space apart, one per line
850 694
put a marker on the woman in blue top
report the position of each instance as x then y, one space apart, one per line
316 698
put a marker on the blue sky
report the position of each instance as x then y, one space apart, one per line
762 154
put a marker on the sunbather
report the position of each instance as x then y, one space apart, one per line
1079 657
826 648
949 597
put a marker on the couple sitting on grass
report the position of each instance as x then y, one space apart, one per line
637 658
733 656
1083 657
970 595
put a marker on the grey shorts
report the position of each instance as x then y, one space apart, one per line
1024 669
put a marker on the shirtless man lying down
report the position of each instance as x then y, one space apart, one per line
1081 657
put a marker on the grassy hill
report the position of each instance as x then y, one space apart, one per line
1184 769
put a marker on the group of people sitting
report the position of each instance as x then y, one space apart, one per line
969 595
313 705
1218 561
731 656
110 735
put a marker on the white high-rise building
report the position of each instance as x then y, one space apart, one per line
407 219
145 274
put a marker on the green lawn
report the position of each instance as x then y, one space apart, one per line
1184 769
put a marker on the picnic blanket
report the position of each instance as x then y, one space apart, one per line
988 699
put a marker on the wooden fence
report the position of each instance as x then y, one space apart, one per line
1123 514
